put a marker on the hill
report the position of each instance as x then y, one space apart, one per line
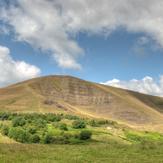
66 94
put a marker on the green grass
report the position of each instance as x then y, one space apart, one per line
110 152
137 137
116 145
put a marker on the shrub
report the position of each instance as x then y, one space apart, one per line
18 121
4 116
103 122
5 130
53 117
35 138
62 139
71 117
78 124
48 139
93 123
39 123
132 136
18 134
31 130
13 115
63 126
100 122
85 135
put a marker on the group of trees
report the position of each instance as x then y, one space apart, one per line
33 128
101 122
49 117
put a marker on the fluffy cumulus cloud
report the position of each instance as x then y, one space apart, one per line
52 25
146 85
13 71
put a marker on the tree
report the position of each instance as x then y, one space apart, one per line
4 116
93 123
48 139
18 121
32 130
78 124
63 126
19 134
35 138
85 135
53 117
5 130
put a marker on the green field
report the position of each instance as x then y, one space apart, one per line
110 152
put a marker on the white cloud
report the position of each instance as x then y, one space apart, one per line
146 85
40 24
52 24
12 71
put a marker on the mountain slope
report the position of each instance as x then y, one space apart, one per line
73 95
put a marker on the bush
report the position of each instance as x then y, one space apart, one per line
48 139
18 121
103 122
85 135
78 124
93 123
18 134
35 138
4 116
63 126
53 117
71 117
132 136
32 130
39 123
100 122
5 130
62 139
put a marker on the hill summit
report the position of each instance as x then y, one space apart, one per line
66 94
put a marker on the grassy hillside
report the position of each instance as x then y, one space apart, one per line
65 94
87 153
110 142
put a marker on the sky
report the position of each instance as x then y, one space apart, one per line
117 43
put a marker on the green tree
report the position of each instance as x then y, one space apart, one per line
19 134
31 130
93 123
53 117
35 138
78 124
48 139
63 126
4 116
5 130
85 135
18 121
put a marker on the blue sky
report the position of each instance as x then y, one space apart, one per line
104 58
108 49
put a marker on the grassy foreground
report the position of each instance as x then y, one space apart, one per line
87 153
51 138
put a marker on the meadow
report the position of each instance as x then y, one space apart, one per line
59 138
